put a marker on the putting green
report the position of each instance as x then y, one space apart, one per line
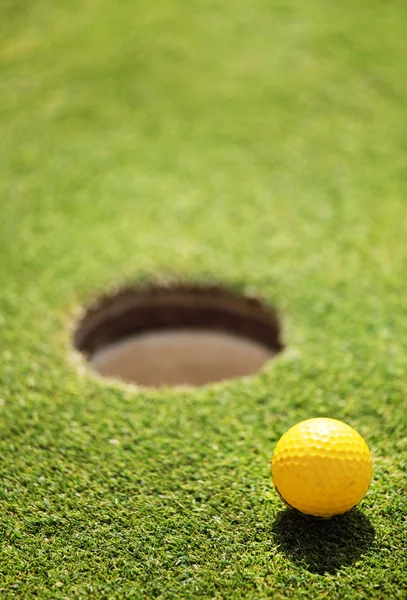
258 144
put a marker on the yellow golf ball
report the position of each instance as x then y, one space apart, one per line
321 467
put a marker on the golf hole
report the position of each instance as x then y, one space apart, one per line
178 335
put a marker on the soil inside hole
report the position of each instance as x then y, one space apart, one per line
184 357
171 336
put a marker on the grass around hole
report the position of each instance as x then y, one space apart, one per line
261 144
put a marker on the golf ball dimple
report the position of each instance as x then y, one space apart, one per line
321 467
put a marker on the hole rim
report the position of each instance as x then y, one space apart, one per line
130 310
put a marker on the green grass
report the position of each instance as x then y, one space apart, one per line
262 144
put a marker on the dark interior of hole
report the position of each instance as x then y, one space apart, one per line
133 312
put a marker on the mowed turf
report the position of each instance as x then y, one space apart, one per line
259 144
